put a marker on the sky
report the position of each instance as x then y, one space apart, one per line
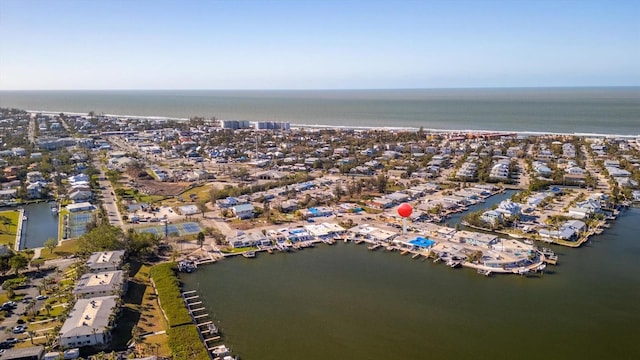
317 44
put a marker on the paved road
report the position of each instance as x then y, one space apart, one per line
108 198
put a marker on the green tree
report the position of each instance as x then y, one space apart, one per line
18 262
51 244
104 237
200 239
37 263
202 206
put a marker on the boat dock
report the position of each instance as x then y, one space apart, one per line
208 331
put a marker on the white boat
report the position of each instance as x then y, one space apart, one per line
24 218
220 350
484 272
249 254
212 329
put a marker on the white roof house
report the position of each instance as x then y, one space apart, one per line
89 322
100 284
105 261
83 206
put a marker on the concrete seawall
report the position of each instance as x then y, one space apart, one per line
19 230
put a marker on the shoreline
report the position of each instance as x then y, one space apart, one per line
364 128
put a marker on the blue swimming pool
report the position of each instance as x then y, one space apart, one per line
422 242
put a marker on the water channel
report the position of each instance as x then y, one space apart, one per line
346 302
40 225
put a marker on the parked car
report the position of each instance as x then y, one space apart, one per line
42 297
12 341
19 329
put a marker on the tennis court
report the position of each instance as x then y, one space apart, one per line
182 229
77 225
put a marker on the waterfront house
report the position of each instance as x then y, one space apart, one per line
475 238
89 323
297 234
508 209
34 191
371 233
8 194
105 261
569 230
100 284
324 230
248 239
579 212
77 207
491 216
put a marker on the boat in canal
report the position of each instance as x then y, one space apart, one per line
249 254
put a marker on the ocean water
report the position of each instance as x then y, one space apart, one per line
564 110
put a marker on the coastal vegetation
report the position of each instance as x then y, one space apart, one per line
184 340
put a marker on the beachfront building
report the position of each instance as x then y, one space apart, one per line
105 261
89 323
100 284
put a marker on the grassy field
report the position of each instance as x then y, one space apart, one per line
8 230
67 248
200 192
142 306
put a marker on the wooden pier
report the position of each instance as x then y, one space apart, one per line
206 329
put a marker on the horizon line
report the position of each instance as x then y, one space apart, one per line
346 89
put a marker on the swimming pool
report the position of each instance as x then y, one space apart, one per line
422 242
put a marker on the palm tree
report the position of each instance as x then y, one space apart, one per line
47 308
31 334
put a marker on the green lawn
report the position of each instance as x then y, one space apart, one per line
8 230
239 250
68 247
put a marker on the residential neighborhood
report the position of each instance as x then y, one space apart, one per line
129 193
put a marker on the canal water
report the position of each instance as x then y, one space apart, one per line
346 302
41 225
487 204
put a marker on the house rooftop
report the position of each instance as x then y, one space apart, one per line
89 316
